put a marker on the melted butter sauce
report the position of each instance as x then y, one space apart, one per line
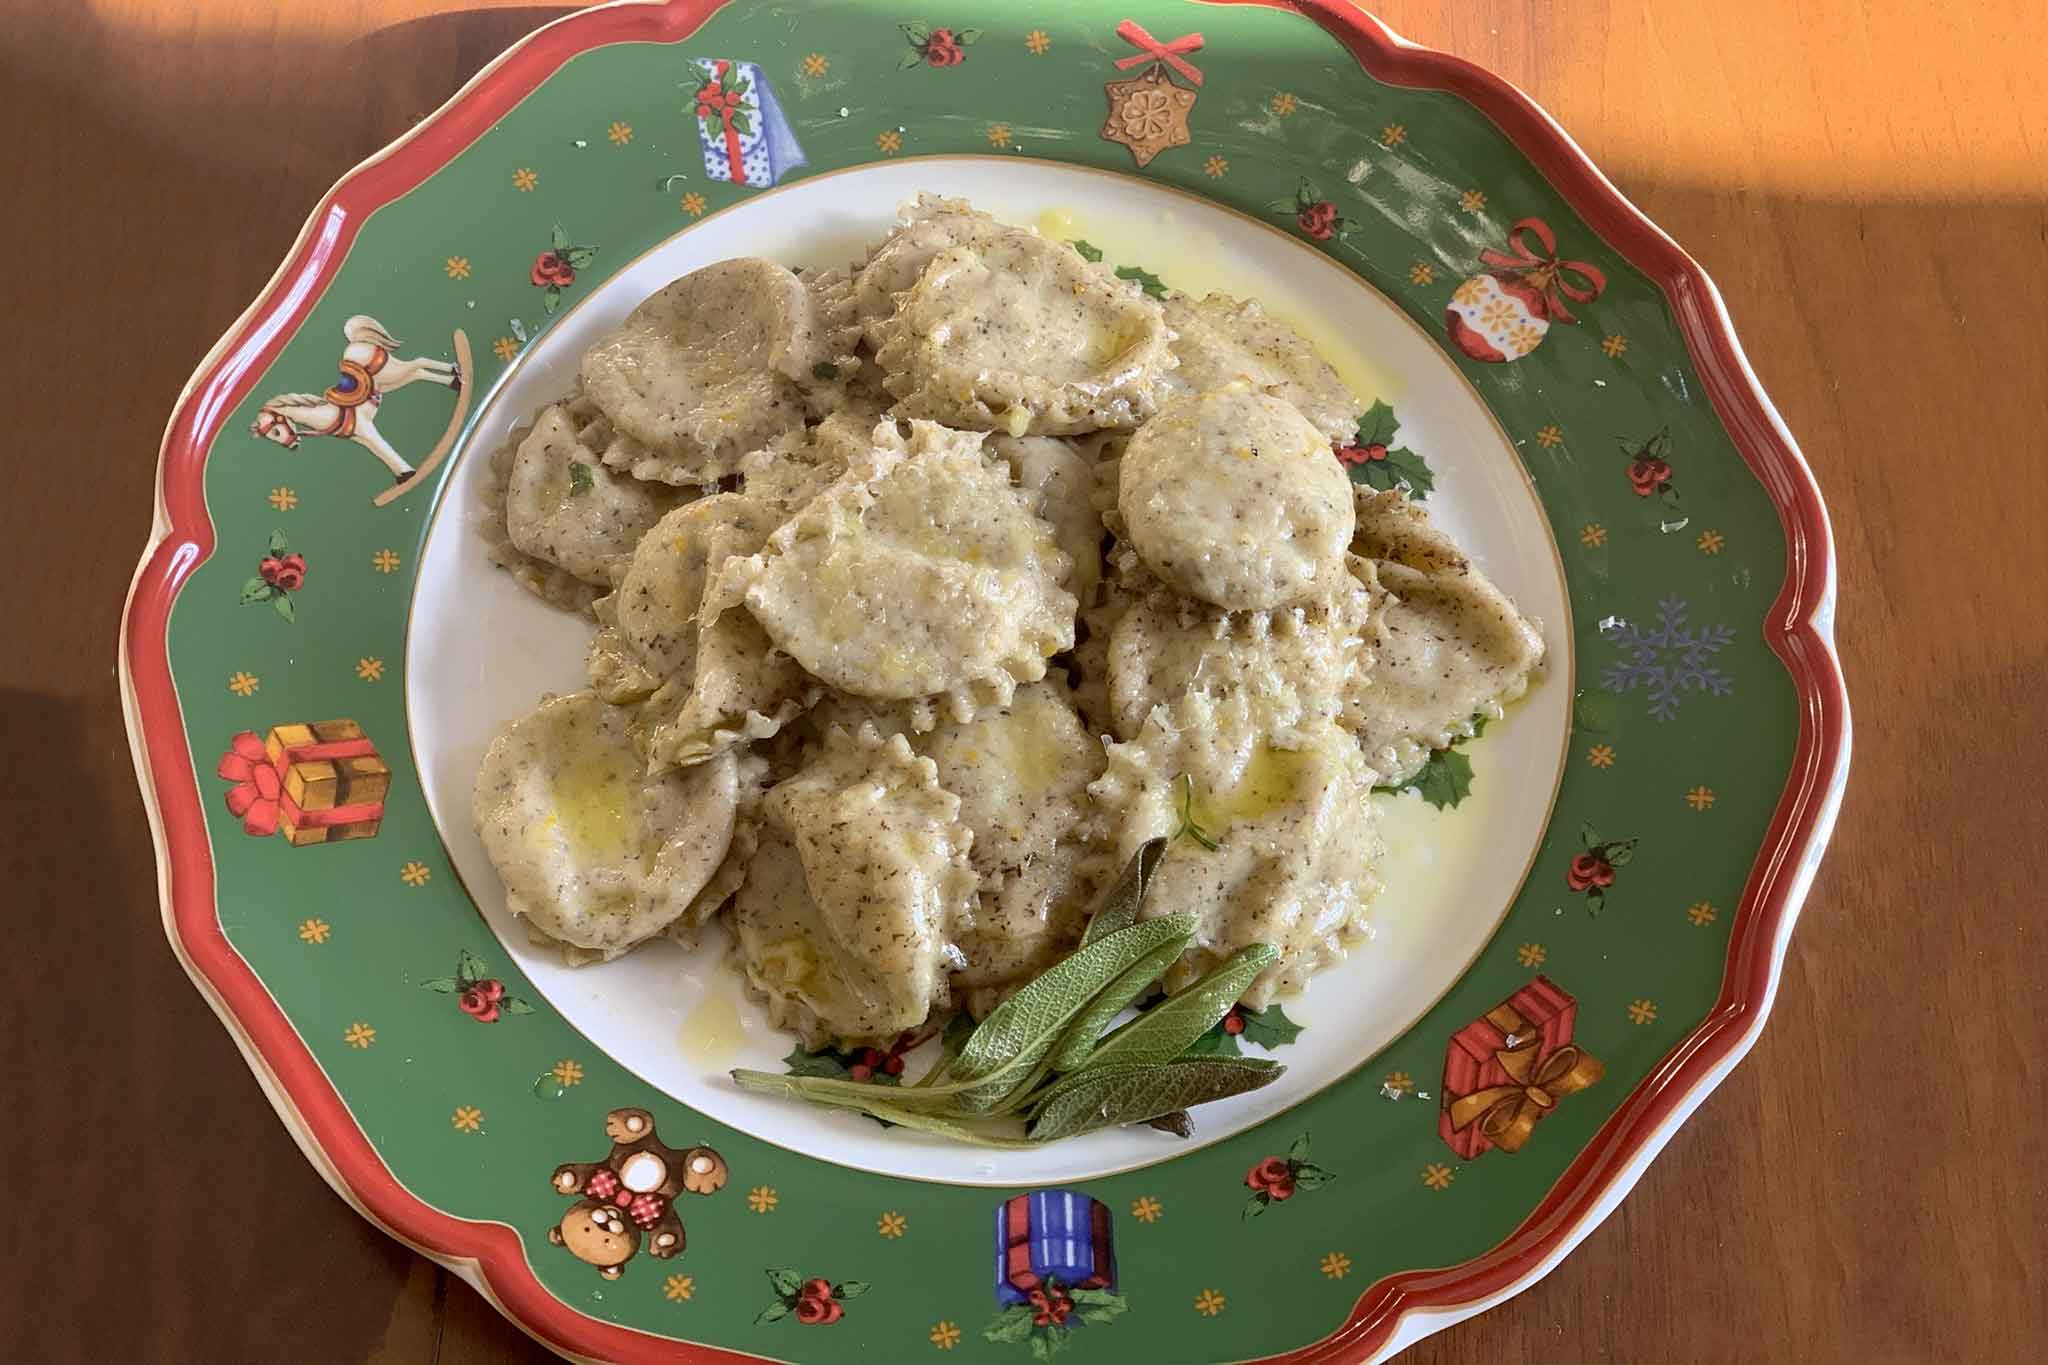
591 794
1271 780
713 1030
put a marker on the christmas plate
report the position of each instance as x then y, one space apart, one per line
1586 907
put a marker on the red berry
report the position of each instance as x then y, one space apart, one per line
861 1071
894 1066
1233 1023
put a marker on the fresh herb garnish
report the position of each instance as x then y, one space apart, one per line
1040 1068
580 479
1190 828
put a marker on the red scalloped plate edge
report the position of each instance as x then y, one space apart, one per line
491 1255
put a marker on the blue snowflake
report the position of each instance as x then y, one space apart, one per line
1668 660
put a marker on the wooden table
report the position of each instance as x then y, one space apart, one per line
1869 192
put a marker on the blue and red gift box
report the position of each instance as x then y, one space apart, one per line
1050 1235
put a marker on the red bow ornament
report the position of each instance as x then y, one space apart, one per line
1539 267
254 796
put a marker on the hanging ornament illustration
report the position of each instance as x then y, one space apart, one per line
1149 112
1504 313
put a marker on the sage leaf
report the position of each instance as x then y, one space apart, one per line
1167 1030
1035 1016
1177 1123
1086 1031
1119 909
1117 1095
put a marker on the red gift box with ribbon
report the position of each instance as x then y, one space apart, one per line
318 783
1508 1068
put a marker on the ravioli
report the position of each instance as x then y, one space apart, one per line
921 571
862 868
1218 339
1290 816
707 369
1294 664
1021 335
563 507
789 472
551 583
1452 646
593 851
1233 497
925 226
1062 485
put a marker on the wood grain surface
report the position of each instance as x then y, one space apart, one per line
1865 181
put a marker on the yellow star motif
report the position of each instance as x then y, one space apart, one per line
1398 1083
1216 167
1531 954
1037 42
1710 542
1701 913
1438 1176
1336 1265
359 1035
1601 755
313 931
243 684
468 1119
693 204
999 135
1592 535
1615 344
1642 1012
283 499
678 1288
1209 1303
1283 104
456 267
1422 272
889 140
892 1225
1393 135
369 670
505 348
414 874
945 1335
524 180
385 561
1700 798
1472 201
620 133
1550 437
816 65
761 1199
1146 1209
567 1072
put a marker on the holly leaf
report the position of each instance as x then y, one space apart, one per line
579 256
826 1063
1668 495
1055 1338
278 544
1011 1326
785 1282
1621 854
1146 280
849 1289
1098 1298
1039 1350
918 32
910 59
283 603
559 239
1445 780
741 123
966 36
1256 1205
512 1004
1411 471
774 1312
1307 193
1269 1027
256 590
1297 1152
580 478
470 967
443 984
1089 251
553 300
1217 1042
1588 836
1309 1177
1378 426
1596 899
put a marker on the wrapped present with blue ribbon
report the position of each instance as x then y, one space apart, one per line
747 138
1052 1235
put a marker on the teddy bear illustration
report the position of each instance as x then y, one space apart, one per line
628 1198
